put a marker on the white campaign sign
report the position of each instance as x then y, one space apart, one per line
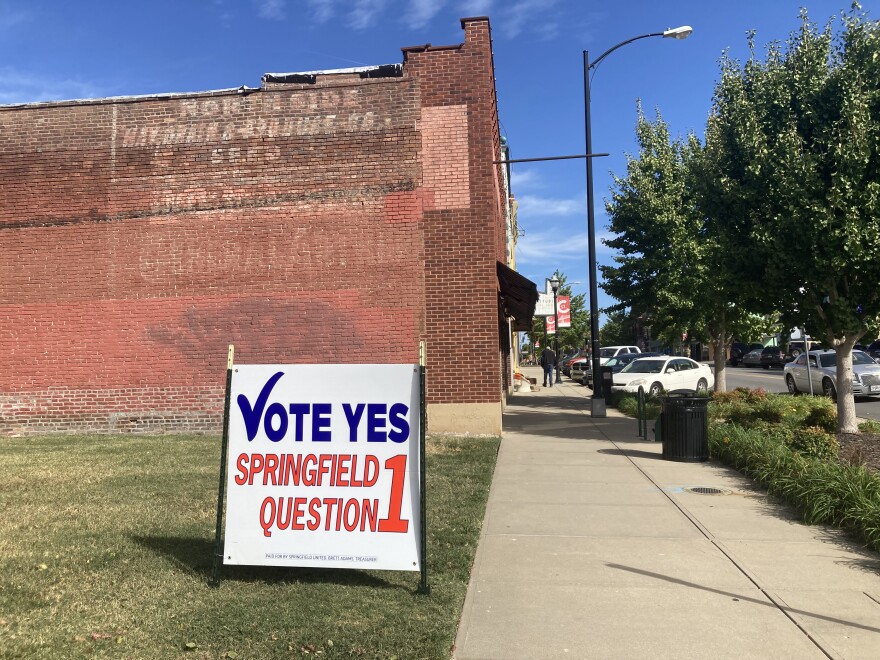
323 466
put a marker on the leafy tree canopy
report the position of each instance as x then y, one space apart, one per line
793 154
572 338
673 256
798 140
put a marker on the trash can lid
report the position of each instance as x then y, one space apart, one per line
685 400
684 394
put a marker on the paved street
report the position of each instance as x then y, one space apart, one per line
772 381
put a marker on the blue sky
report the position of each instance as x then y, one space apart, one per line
53 49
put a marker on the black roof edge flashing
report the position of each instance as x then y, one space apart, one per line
384 71
301 78
311 77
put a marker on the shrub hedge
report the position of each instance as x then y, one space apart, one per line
787 445
821 489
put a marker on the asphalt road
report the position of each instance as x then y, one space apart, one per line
772 381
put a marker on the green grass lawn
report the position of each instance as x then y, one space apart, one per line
106 548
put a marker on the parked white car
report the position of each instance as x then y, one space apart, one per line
609 352
656 374
823 373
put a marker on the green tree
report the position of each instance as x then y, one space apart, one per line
794 144
672 261
647 211
624 327
618 328
572 338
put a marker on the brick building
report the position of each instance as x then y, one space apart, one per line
337 217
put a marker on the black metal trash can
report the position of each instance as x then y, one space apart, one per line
684 427
607 381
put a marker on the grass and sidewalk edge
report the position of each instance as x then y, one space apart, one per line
106 547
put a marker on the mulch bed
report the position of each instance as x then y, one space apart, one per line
860 448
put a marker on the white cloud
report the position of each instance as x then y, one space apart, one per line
272 9
476 7
364 13
527 15
322 10
553 244
560 246
532 17
547 31
422 11
19 87
523 178
532 205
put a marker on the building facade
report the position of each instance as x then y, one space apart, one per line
325 217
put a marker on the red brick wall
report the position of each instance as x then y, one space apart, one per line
462 242
140 237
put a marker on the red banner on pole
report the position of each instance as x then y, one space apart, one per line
551 325
563 307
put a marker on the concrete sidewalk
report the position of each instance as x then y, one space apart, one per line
594 547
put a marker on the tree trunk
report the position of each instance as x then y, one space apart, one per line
846 404
719 341
720 348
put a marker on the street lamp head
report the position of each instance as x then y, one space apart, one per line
554 284
682 32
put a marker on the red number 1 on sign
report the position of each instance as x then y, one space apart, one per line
394 523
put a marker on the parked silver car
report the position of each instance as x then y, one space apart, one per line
823 373
752 358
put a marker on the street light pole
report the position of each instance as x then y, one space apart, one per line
597 401
554 284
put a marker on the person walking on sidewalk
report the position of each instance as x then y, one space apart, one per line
548 361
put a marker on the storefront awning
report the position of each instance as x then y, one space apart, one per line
519 296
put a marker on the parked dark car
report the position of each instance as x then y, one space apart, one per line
752 358
576 368
873 349
565 362
772 356
739 350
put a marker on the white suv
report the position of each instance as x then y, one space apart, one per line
609 352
